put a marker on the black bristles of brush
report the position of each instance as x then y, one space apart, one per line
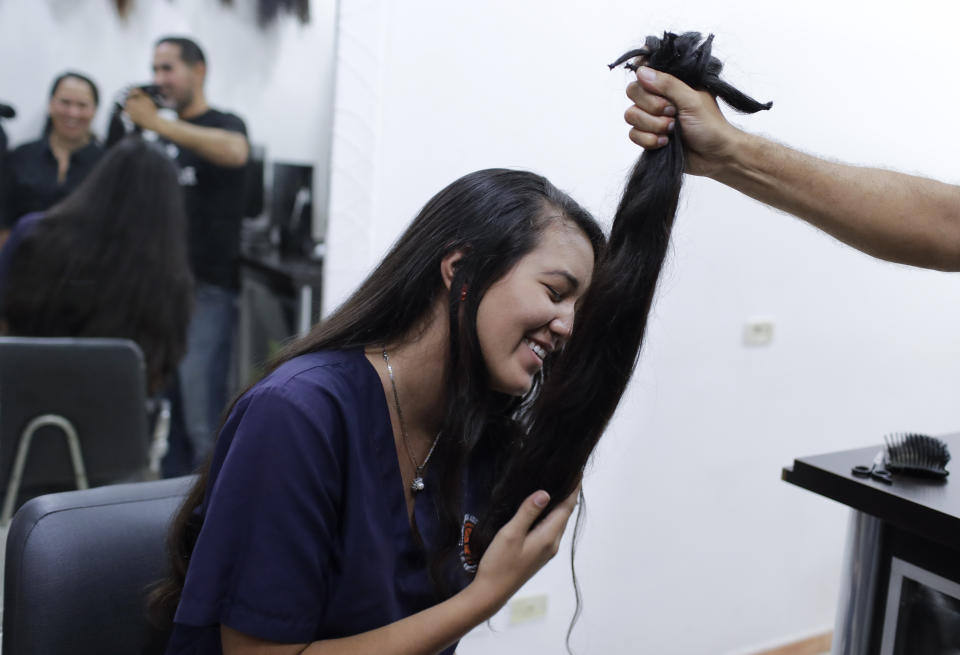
916 454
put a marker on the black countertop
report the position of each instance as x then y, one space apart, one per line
928 508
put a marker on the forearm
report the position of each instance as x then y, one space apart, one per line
897 217
222 147
424 633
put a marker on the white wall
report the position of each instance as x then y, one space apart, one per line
693 545
277 79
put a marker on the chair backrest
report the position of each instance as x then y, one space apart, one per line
98 385
79 565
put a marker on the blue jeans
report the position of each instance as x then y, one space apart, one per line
204 370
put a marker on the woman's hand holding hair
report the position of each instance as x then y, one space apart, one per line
519 551
515 554
660 99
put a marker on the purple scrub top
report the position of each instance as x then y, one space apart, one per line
305 533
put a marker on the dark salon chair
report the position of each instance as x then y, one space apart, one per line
79 565
73 414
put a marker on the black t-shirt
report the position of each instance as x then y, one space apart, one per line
214 200
30 177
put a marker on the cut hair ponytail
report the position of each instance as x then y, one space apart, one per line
588 378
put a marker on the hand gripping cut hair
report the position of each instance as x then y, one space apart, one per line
583 385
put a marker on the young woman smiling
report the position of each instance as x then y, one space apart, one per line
335 513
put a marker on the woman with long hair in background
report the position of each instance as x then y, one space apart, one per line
110 260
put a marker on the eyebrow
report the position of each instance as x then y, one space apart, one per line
574 282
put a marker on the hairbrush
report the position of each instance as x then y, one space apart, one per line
916 454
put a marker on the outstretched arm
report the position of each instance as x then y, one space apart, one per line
900 218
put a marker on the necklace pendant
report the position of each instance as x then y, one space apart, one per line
417 484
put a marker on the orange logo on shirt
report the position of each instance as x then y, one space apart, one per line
466 555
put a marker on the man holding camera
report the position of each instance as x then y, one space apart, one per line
211 149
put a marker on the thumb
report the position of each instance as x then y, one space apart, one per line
666 85
529 510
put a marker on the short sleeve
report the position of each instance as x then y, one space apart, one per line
268 545
233 123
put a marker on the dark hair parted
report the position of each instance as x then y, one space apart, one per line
110 260
494 217
586 382
190 51
94 91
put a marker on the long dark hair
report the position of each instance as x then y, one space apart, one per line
110 260
48 125
494 217
585 385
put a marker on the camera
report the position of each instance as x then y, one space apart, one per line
120 124
152 90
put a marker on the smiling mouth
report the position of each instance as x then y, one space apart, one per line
537 349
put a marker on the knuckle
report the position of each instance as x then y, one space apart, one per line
643 139
643 121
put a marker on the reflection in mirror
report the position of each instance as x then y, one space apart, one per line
225 90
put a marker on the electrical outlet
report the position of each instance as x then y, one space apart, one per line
527 609
758 332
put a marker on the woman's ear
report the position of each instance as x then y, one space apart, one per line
448 266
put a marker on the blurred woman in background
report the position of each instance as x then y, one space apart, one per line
40 173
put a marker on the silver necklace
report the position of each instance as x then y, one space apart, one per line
417 485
